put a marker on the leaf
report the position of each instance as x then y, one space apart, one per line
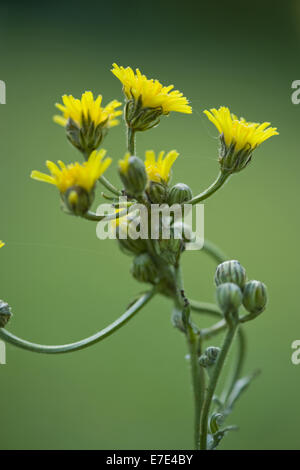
240 386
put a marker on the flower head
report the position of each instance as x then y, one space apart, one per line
86 120
87 108
148 99
159 170
1 243
239 138
76 182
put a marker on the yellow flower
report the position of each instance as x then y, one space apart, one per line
238 132
87 109
83 175
159 170
1 243
238 137
151 92
76 182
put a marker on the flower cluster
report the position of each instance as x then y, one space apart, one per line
146 190
145 181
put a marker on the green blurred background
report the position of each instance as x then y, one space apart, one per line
133 390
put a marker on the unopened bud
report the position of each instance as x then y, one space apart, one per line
255 297
157 192
179 194
133 174
5 313
143 268
209 357
230 271
229 297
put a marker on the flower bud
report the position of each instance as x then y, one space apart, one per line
230 271
179 194
209 357
255 297
157 192
5 313
78 200
133 175
229 297
143 268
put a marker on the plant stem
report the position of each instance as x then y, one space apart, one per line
214 251
109 186
84 343
217 184
237 371
213 383
198 373
131 140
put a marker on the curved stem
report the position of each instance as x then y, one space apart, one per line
214 251
131 140
84 343
109 186
217 184
97 218
213 383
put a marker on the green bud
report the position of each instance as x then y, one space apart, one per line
130 246
255 297
229 297
143 268
135 176
139 118
157 192
209 357
179 194
231 271
5 313
78 200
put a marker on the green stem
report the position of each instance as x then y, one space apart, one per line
207 333
131 140
84 343
214 251
213 383
217 184
97 218
240 359
109 186
198 373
